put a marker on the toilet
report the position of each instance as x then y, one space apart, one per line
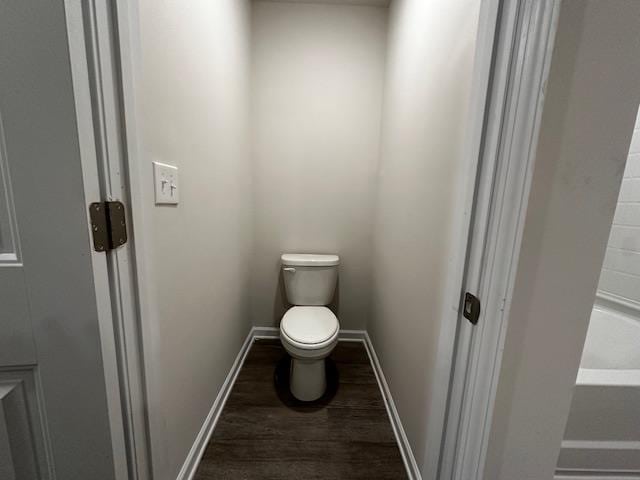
309 330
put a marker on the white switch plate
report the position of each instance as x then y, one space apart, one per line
166 185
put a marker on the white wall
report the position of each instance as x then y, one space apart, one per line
430 53
317 84
620 276
194 90
592 95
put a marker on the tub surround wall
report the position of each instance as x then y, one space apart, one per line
430 53
317 85
194 90
620 276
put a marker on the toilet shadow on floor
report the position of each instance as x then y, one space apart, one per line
281 381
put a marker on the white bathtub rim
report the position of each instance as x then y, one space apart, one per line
611 341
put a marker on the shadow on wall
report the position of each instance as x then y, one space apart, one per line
281 304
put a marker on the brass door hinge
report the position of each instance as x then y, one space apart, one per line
108 225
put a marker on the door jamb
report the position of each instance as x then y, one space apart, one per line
461 233
93 41
522 59
91 186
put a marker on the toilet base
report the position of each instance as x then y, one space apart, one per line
282 383
307 379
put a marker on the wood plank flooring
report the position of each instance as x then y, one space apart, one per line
264 433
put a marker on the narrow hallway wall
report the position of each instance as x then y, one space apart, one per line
430 53
194 90
317 83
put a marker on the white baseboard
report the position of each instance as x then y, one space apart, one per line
343 335
597 459
190 465
351 335
595 477
266 332
403 442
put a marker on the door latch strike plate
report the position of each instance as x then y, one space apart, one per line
471 308
108 225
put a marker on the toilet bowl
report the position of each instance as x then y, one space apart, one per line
309 330
308 334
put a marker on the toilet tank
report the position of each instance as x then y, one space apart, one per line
309 279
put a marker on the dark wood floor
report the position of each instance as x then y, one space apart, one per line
263 433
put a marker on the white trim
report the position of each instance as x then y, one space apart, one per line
450 321
343 335
401 438
352 335
602 444
82 93
523 53
598 458
266 332
104 103
596 476
190 465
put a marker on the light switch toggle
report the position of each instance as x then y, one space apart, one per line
166 185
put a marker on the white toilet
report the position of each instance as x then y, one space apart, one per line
309 330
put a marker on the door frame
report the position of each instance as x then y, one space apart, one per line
466 186
93 40
522 55
514 41
92 193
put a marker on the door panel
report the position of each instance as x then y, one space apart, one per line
15 430
22 441
54 420
16 341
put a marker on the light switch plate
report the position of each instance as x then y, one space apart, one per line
166 185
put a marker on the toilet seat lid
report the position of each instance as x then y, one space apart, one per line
309 325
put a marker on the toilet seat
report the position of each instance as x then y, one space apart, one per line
309 327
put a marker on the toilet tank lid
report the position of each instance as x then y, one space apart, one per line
309 260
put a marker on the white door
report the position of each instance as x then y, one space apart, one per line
54 415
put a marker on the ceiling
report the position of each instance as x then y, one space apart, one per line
375 3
